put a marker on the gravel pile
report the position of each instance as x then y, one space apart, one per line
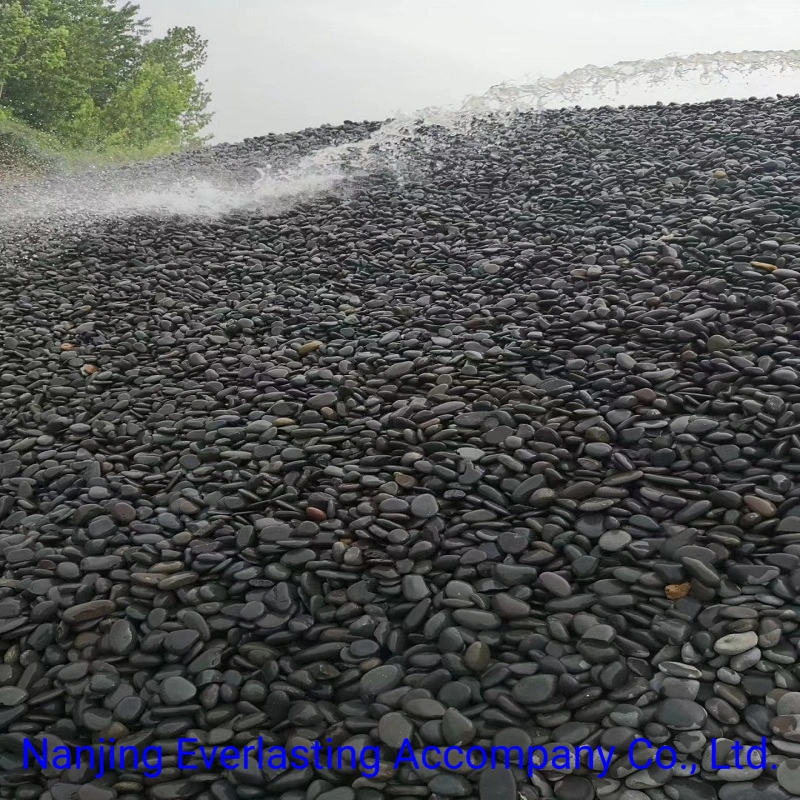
507 453
236 163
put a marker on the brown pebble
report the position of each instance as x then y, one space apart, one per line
675 591
309 347
406 481
760 505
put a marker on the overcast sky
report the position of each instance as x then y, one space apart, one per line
281 65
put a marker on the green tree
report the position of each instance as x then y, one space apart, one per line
30 42
145 110
182 53
85 71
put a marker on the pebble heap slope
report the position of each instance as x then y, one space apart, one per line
505 452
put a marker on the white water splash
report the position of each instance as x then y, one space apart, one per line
685 79
104 195
691 78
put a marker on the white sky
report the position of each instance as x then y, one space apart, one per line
281 65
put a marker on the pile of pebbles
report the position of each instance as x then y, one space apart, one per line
506 453
235 164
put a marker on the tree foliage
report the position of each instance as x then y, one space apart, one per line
86 71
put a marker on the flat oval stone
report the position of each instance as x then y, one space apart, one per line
680 714
554 584
87 612
394 729
734 643
175 691
535 689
